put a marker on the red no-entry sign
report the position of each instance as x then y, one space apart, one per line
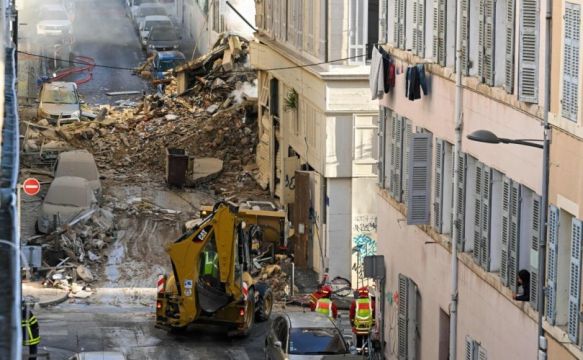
31 186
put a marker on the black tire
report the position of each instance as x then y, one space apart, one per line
249 313
264 306
178 330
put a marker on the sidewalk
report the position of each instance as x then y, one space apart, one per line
42 296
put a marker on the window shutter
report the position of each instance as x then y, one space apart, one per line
570 99
482 354
528 52
269 16
514 235
485 218
396 155
534 244
407 136
504 258
465 35
419 27
509 57
442 33
460 200
470 349
357 45
435 27
575 281
260 15
299 23
381 145
420 179
291 21
276 19
481 37
402 324
399 35
477 251
415 25
553 240
383 18
489 41
438 193
309 28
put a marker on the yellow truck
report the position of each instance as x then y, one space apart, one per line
211 280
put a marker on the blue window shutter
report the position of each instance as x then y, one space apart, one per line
552 258
534 244
575 282
419 179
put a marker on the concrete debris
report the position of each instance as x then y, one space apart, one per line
276 278
84 273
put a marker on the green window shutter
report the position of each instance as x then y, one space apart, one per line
552 258
460 200
420 179
402 322
514 236
465 36
575 282
509 56
528 52
505 250
485 218
570 93
438 185
396 156
407 135
534 244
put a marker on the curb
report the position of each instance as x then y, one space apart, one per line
45 304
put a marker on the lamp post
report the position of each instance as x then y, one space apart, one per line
489 137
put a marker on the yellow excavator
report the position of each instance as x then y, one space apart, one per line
211 280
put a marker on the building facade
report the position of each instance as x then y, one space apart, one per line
318 126
498 197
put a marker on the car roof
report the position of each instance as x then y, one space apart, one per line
308 320
151 5
76 155
173 54
101 355
156 18
59 84
71 181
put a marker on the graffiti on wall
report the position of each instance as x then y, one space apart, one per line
364 232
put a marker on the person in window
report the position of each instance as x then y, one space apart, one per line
523 281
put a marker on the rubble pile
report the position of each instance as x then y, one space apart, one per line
277 279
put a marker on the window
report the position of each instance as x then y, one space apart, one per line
408 323
509 46
475 350
460 201
570 98
480 195
440 27
528 52
575 281
365 145
363 29
420 179
399 23
295 22
443 187
418 27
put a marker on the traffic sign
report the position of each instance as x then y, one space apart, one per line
31 186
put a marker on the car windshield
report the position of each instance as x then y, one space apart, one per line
140 2
166 65
83 169
54 15
150 11
150 24
58 95
316 341
163 34
65 195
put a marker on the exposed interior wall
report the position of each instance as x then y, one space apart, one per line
338 212
338 155
364 226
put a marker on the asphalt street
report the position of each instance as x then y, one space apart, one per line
69 328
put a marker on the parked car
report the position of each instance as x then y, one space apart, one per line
132 5
300 335
67 197
79 163
166 60
148 22
59 101
147 10
98 355
162 38
54 21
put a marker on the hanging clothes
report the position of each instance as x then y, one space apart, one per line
388 70
422 78
415 82
376 76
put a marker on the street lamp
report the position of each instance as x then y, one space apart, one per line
489 137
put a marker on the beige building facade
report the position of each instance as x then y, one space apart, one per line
499 206
318 127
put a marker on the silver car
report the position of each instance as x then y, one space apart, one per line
59 102
68 197
299 335
79 163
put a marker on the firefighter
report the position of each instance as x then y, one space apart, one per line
324 304
362 316
30 331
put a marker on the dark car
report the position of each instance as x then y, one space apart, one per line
299 335
162 38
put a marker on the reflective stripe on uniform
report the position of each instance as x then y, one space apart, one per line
29 336
324 306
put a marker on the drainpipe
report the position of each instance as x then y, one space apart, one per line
542 346
326 30
457 150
